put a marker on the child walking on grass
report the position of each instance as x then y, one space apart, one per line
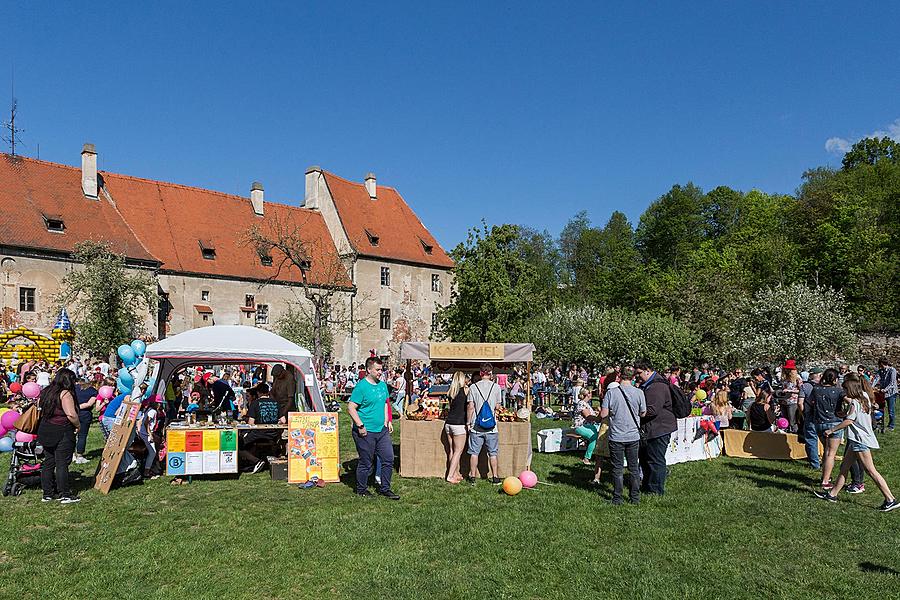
861 439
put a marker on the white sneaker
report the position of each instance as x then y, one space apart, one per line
378 479
80 460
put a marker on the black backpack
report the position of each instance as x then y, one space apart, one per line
681 406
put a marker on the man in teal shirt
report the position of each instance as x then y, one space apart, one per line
368 408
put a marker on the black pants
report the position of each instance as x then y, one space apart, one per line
84 418
653 463
59 444
618 452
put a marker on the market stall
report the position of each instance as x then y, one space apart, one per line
423 442
211 446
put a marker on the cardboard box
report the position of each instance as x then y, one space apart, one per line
764 444
424 450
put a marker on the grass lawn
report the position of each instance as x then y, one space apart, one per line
726 528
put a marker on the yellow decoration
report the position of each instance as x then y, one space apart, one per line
43 348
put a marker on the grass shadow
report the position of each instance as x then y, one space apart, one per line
769 472
762 482
868 567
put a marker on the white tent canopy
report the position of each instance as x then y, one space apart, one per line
234 344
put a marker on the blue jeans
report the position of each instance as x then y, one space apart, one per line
368 447
891 402
652 458
84 424
106 425
811 441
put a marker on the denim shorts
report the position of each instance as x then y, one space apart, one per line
857 447
477 439
821 427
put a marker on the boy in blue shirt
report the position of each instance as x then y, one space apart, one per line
372 429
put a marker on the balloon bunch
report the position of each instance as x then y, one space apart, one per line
135 371
8 418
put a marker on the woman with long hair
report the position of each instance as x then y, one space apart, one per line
455 425
861 441
826 399
56 433
790 394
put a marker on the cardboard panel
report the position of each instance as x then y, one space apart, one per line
763 444
424 450
116 445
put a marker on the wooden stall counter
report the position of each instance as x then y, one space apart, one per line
424 449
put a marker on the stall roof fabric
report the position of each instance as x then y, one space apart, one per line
237 343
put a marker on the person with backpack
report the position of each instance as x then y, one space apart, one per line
483 399
658 423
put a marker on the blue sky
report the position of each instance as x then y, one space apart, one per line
512 112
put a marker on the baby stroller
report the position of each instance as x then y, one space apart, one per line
24 468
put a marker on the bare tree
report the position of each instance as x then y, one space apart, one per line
286 241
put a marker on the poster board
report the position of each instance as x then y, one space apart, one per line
116 445
201 451
313 447
764 444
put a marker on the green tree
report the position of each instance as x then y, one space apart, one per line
607 265
869 151
297 325
539 249
493 292
672 226
108 301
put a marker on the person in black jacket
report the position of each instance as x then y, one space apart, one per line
658 423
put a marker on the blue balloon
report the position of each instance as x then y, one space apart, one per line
126 354
125 389
138 346
6 444
126 378
149 391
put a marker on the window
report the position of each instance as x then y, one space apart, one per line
435 282
385 318
54 223
204 295
428 248
434 322
206 317
385 276
249 300
373 239
26 299
265 260
262 314
207 249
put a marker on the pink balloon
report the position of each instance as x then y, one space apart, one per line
782 423
106 392
8 419
3 431
31 390
528 479
21 436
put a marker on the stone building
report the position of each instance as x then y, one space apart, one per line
194 242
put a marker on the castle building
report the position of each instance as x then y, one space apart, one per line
392 275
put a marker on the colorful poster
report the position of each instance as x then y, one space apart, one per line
313 447
201 451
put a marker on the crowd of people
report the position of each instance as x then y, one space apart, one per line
818 405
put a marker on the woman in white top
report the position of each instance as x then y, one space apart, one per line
861 439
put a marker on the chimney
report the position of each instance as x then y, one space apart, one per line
89 171
371 187
313 174
256 197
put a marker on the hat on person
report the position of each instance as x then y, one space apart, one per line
816 371
790 364
207 375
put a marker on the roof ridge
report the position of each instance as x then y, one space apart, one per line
360 184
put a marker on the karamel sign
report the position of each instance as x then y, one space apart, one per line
463 351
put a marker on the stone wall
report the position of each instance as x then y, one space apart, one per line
873 347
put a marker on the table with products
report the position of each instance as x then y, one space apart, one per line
205 448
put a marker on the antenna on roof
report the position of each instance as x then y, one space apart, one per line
11 124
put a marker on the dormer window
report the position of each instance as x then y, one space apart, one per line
305 265
207 249
265 260
428 248
373 239
55 223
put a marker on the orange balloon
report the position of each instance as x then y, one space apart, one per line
512 486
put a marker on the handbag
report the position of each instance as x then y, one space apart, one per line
640 429
29 420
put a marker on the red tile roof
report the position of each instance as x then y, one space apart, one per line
32 189
149 220
401 235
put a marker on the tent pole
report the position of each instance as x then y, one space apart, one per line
528 389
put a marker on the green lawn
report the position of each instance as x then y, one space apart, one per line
726 528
